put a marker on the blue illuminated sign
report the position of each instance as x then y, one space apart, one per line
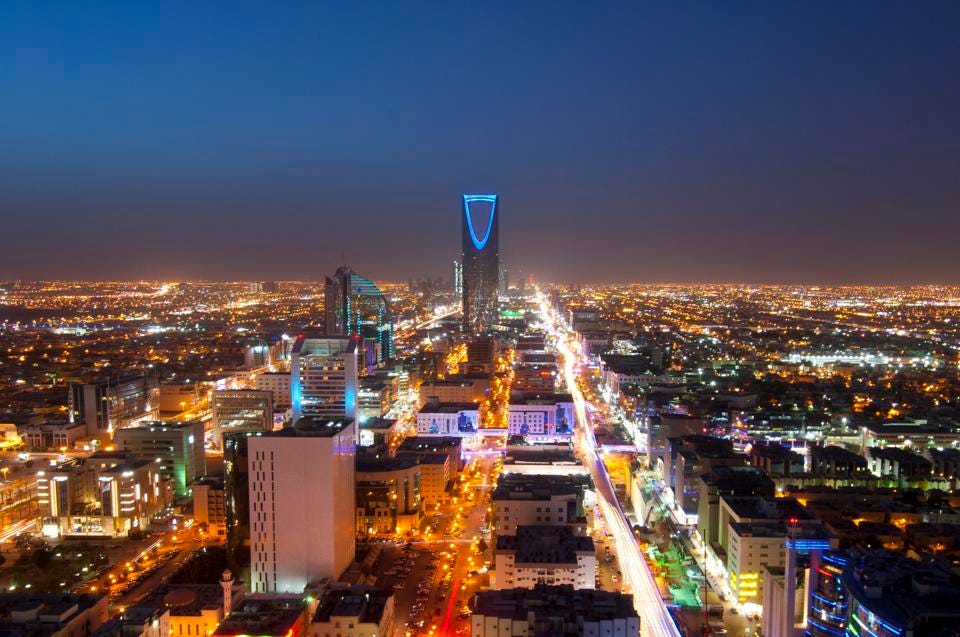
469 199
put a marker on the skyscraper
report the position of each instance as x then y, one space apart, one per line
323 377
302 504
355 306
481 263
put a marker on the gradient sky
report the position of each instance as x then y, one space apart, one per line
729 141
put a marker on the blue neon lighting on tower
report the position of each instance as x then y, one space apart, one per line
479 244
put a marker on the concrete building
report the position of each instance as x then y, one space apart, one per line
113 402
450 446
177 445
455 389
208 505
358 611
378 431
240 410
51 614
279 384
323 378
542 500
544 555
267 616
302 504
447 419
553 610
388 494
540 415
107 494
186 610
725 481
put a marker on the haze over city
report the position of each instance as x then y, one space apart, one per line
479 320
747 142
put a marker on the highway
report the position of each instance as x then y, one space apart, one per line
655 619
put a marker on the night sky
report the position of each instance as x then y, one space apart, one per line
771 142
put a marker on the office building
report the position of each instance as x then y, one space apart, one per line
458 280
113 402
107 494
553 610
279 384
356 307
302 504
447 419
882 594
481 262
540 416
388 494
450 446
240 410
455 389
178 446
323 378
236 501
542 554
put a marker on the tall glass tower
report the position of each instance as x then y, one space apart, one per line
480 261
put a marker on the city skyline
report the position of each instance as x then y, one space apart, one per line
759 143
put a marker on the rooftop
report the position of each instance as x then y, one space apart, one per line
554 602
539 544
366 604
312 427
263 615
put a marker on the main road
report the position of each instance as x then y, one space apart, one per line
655 618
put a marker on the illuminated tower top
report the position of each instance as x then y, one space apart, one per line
480 261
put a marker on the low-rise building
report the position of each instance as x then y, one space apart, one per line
447 419
544 555
540 415
267 615
388 494
51 614
357 611
545 500
209 505
553 610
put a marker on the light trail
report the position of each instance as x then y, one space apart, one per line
655 619
17 528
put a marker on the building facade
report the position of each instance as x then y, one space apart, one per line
481 263
324 378
302 504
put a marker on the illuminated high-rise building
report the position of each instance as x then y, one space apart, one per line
323 377
481 262
355 306
302 504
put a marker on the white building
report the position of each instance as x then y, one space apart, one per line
544 555
302 504
540 415
278 383
541 500
447 419
751 548
323 378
